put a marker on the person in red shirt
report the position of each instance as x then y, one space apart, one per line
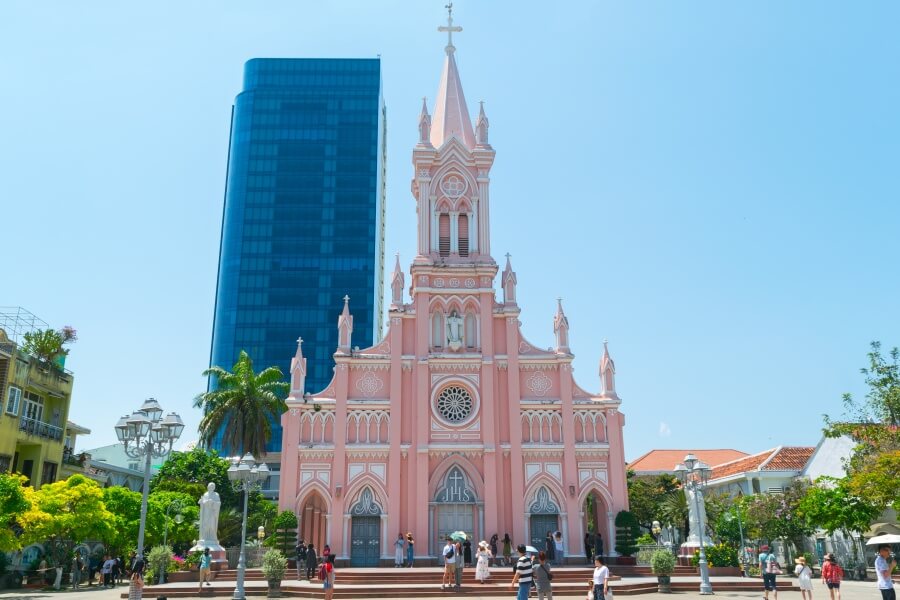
832 573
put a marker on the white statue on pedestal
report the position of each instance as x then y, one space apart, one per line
695 519
454 331
209 519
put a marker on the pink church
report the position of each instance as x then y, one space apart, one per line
454 421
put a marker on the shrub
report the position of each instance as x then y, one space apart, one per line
159 557
720 555
662 562
645 540
274 564
627 530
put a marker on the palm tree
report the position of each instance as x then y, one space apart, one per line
242 406
674 509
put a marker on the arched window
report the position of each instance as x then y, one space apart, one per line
437 330
463 235
471 331
444 234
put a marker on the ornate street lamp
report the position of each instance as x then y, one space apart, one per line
245 475
145 434
743 556
694 475
178 518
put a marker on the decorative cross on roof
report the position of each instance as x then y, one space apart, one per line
450 28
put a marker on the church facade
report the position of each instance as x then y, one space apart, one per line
453 421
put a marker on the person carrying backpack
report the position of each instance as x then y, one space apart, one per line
832 573
449 554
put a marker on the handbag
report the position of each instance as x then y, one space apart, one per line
549 574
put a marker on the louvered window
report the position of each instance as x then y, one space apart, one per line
444 235
463 235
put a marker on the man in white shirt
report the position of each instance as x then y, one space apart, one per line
883 569
449 554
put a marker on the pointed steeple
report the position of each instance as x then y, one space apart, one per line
424 125
345 327
607 374
451 115
397 285
298 371
508 282
561 329
481 128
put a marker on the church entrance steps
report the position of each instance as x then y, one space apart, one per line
402 584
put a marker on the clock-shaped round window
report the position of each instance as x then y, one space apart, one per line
455 404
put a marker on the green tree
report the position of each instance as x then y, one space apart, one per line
180 535
190 472
727 527
646 494
65 513
285 537
13 504
242 406
778 516
674 509
829 504
47 345
874 423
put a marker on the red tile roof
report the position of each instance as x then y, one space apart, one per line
783 458
664 461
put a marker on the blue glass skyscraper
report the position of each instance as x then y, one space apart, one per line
303 222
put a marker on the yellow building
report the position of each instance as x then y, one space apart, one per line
36 397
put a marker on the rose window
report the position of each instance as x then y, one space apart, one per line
455 404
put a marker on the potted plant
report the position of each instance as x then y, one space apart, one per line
274 565
662 563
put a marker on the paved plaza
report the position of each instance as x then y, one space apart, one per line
850 590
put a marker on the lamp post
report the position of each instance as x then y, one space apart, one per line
178 519
694 474
245 475
743 555
656 528
145 434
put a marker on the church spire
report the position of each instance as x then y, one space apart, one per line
508 281
298 371
451 116
481 127
397 285
561 329
424 125
345 328
607 374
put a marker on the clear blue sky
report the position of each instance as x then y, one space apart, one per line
712 186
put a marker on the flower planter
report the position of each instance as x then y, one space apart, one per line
274 588
724 571
664 584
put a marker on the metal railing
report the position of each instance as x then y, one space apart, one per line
40 429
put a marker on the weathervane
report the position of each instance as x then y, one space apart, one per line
450 28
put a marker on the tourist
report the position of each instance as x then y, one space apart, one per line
120 560
483 557
205 569
449 554
467 551
115 574
832 573
410 549
137 576
768 566
300 552
328 575
523 574
884 566
600 580
77 565
398 551
558 553
507 550
312 561
109 564
804 578
542 577
549 547
598 544
460 563
589 546
326 552
495 540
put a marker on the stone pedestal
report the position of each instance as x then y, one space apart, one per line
686 552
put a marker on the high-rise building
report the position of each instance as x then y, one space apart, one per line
303 222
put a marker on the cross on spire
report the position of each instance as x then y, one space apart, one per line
450 28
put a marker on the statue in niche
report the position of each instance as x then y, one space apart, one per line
454 331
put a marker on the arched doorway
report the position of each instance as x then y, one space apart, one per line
455 508
312 526
365 530
544 517
596 524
